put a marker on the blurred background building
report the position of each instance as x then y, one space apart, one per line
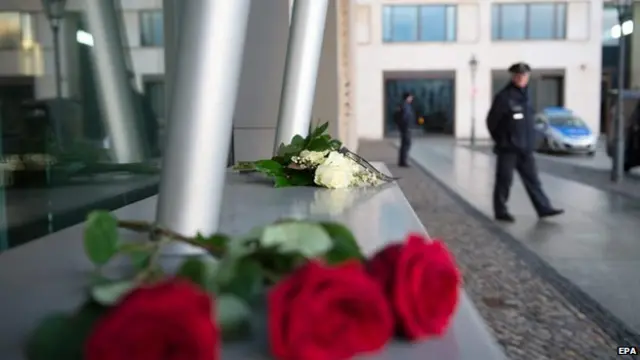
452 55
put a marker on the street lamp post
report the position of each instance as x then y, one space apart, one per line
54 10
625 8
473 66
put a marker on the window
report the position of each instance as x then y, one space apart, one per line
151 28
539 21
16 29
419 23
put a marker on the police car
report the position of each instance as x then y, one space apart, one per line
560 130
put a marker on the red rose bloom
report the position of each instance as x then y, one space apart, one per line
172 320
327 313
422 283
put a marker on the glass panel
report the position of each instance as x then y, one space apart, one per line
10 33
512 22
561 21
386 23
541 21
451 22
152 28
404 23
56 161
432 99
609 20
433 23
495 22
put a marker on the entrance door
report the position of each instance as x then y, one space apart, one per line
433 101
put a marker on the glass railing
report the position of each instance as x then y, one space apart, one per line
64 151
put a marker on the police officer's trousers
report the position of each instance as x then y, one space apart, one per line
524 163
405 145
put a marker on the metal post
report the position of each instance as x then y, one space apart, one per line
4 183
201 115
473 109
55 29
617 172
116 94
473 66
301 69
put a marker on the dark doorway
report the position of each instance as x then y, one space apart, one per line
433 101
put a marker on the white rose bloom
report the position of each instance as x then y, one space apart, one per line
336 172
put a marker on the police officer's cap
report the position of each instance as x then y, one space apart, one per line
520 68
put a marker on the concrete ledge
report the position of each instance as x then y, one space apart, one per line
49 274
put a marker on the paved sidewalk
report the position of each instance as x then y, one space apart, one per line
593 171
594 248
531 319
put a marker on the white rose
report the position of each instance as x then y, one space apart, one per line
312 158
333 176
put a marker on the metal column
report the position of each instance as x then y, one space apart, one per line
116 94
301 71
207 72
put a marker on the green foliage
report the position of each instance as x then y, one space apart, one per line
62 336
110 294
201 271
297 237
237 272
345 247
101 237
233 317
278 167
246 281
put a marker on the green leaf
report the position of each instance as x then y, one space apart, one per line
320 130
269 167
220 242
139 254
306 238
300 177
244 166
297 140
62 336
101 237
335 144
49 341
111 293
282 181
345 246
233 317
201 271
320 144
247 280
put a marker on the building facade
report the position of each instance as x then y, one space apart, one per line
425 47
374 50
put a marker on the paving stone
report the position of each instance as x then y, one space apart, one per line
528 316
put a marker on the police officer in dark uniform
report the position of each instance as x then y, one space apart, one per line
511 125
405 117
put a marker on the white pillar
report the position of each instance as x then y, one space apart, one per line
207 72
301 70
116 94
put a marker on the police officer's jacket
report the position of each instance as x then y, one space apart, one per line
511 120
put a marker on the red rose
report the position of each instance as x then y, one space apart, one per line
422 283
170 320
327 313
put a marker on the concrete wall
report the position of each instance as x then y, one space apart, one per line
579 56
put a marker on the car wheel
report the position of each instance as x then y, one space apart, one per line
591 153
